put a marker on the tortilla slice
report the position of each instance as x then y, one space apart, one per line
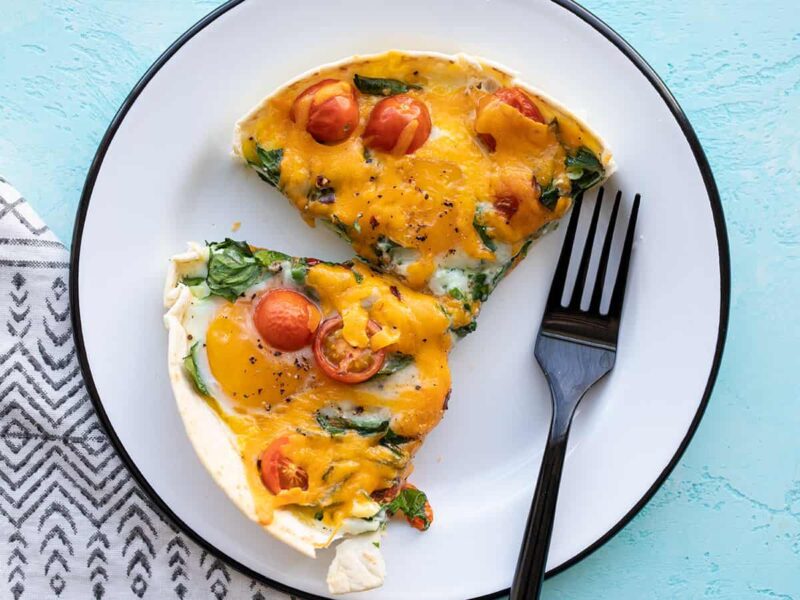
450 213
353 441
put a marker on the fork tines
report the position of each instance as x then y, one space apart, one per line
558 315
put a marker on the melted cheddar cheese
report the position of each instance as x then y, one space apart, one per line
427 203
264 394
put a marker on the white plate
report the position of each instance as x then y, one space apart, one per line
164 175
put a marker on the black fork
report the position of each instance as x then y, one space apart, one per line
575 349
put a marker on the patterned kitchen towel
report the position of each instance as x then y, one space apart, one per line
73 523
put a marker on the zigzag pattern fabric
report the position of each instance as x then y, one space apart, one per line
73 522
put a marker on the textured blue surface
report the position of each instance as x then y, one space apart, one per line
727 522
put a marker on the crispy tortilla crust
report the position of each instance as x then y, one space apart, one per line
214 443
606 158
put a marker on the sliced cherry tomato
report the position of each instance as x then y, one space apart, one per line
398 124
341 361
278 472
286 319
518 99
328 110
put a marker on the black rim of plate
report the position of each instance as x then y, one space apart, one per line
724 268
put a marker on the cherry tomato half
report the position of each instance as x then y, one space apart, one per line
328 110
516 98
286 319
278 472
398 124
341 361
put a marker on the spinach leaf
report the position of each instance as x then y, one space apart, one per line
465 330
192 281
269 165
232 269
481 286
394 363
549 196
340 228
363 424
299 271
584 170
523 252
393 441
376 86
190 364
482 233
268 258
456 293
411 502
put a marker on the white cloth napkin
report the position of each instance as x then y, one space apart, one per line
73 523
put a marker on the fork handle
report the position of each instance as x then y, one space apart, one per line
529 576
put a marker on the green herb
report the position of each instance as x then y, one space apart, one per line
549 196
456 293
367 156
269 165
190 364
340 228
268 258
232 269
358 276
481 287
376 86
411 502
466 329
523 252
363 424
299 271
584 170
392 441
318 515
482 232
376 544
394 363
192 281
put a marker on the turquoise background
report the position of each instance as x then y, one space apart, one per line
727 522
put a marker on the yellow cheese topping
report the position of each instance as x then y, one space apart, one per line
273 394
426 201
